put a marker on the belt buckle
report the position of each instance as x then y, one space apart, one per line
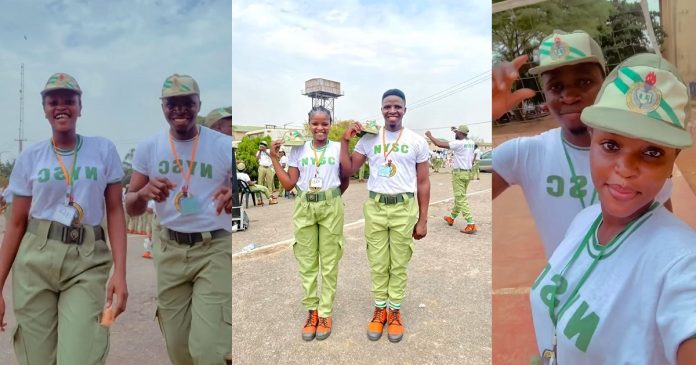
312 197
72 235
184 238
391 200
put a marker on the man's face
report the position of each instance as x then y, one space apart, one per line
569 90
393 110
223 126
62 108
181 111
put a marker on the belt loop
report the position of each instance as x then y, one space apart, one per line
41 228
164 238
207 237
377 196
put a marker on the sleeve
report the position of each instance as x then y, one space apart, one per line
456 146
141 157
20 181
114 168
361 147
423 151
508 160
294 156
676 306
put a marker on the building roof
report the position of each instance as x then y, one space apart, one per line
245 128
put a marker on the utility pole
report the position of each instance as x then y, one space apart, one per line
21 112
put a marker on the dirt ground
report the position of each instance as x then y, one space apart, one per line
518 256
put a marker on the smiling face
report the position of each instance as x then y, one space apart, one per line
569 90
319 126
628 173
62 108
181 112
393 110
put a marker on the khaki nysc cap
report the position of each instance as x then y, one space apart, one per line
645 98
371 127
293 138
179 85
562 49
241 166
463 128
61 81
215 115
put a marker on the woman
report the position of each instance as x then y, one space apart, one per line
61 188
621 287
317 217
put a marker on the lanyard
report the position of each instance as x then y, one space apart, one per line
591 233
317 159
68 177
574 176
384 143
187 176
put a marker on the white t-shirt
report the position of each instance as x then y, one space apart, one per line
463 151
410 150
38 174
284 161
637 304
212 170
477 154
243 176
554 195
303 158
7 195
264 159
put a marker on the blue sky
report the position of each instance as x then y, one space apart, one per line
120 52
421 47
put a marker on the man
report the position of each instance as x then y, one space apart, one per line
477 163
253 186
552 168
398 160
463 150
186 170
266 172
220 120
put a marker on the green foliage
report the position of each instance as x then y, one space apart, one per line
336 134
6 168
246 152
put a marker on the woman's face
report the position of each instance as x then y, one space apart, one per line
62 108
628 172
319 125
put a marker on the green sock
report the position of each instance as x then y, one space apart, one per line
380 303
394 306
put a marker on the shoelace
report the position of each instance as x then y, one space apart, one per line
377 317
311 320
324 321
395 317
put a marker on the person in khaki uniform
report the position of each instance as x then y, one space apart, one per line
317 217
62 188
219 119
398 160
186 170
266 172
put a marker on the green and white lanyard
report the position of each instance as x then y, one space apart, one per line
315 183
591 233
574 176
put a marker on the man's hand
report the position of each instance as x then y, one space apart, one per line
352 131
117 285
157 189
504 75
420 230
428 134
275 148
223 199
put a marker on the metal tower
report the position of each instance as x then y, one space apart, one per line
21 111
323 93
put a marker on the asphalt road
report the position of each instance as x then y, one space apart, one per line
447 309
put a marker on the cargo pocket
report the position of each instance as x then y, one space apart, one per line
19 346
100 344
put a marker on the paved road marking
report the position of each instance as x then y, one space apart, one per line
359 222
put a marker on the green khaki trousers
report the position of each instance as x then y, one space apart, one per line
256 188
266 175
388 232
318 228
194 298
59 291
460 182
475 170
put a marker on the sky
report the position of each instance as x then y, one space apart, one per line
120 52
421 47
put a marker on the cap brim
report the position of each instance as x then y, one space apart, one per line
179 94
371 131
541 69
635 125
294 143
43 92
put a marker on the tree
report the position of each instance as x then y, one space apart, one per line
127 165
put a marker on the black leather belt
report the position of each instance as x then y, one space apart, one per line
68 234
195 237
390 199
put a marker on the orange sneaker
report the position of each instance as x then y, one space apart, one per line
147 255
395 330
273 201
310 327
324 328
449 220
376 326
469 229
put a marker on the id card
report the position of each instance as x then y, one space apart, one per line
189 205
384 171
315 183
64 214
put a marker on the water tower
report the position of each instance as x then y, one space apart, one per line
323 93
